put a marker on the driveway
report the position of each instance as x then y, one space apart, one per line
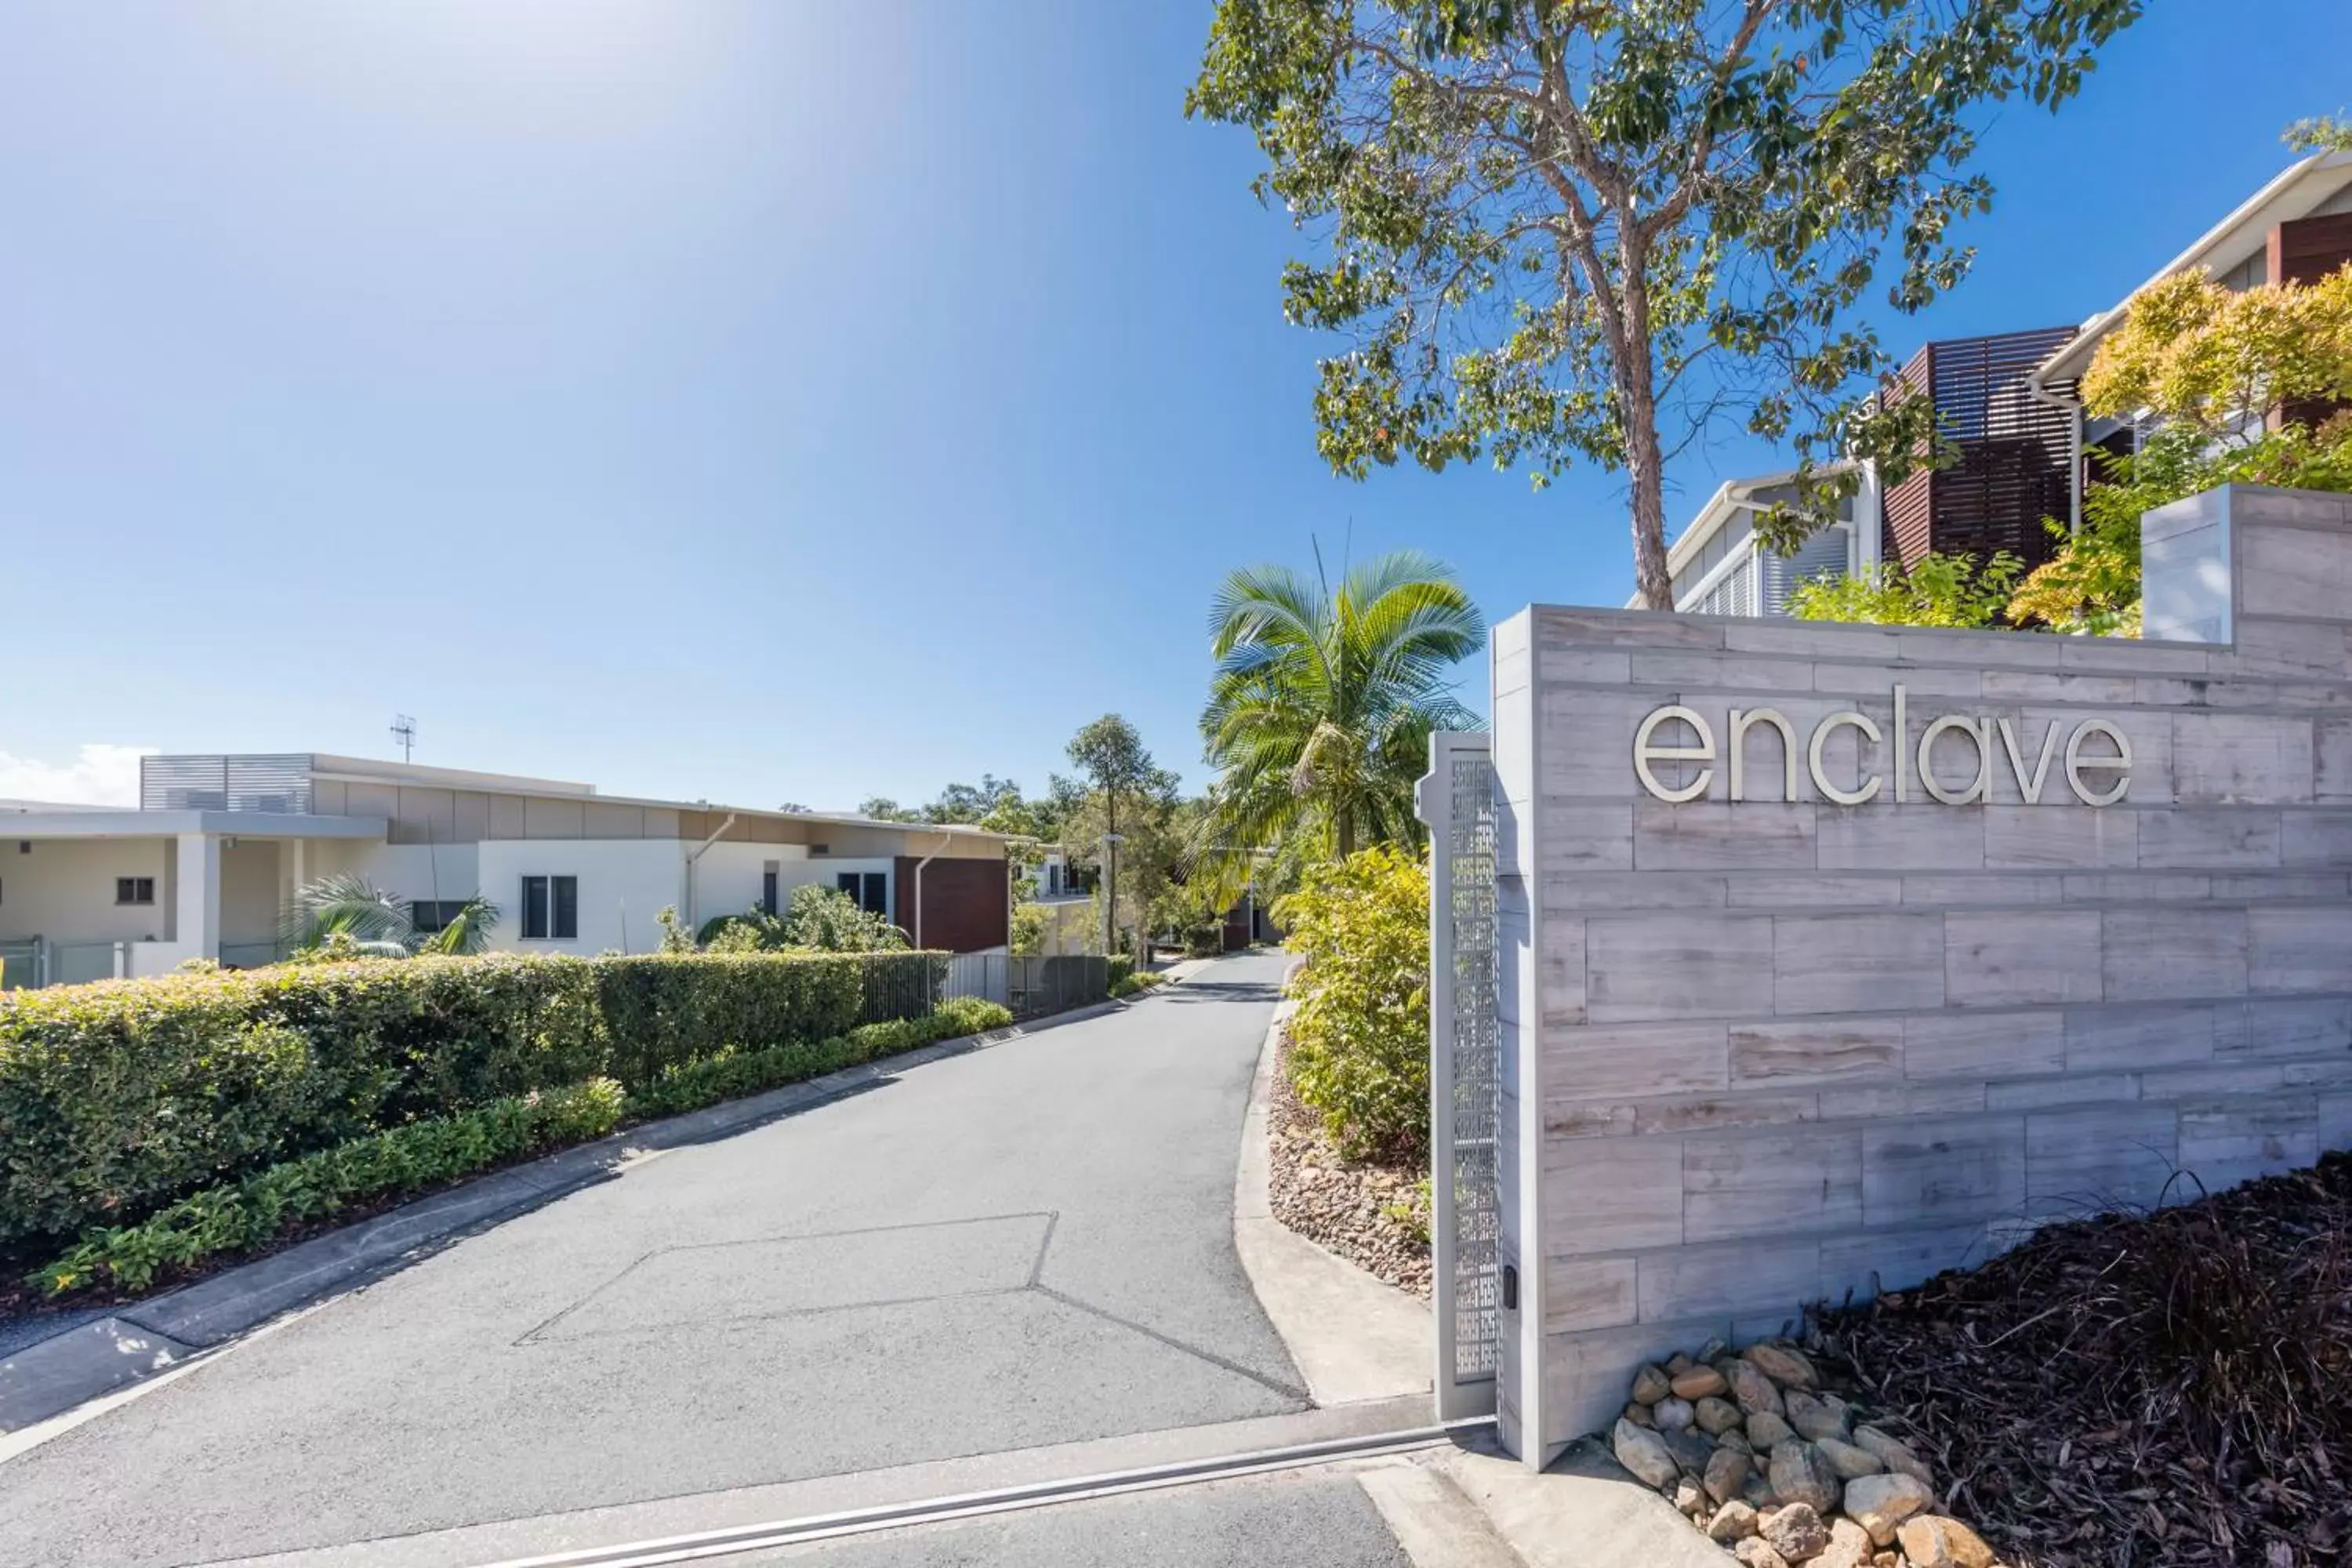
1028 1245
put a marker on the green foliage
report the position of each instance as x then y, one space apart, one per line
1411 1217
405 1160
1206 940
1030 924
1128 985
1551 233
345 916
2206 357
420 1154
2319 133
1938 590
829 920
1360 1039
1322 709
1119 966
1122 792
117 1099
469 932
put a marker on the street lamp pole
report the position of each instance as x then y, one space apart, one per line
1111 842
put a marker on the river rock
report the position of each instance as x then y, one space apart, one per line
1849 1546
1689 1498
1734 1521
1690 1449
1817 1418
1767 1431
1645 1452
1700 1383
1881 1503
1754 1392
1847 1460
1800 1475
1784 1364
1795 1532
1716 1416
1638 1414
1678 1364
1893 1453
1650 1385
1931 1541
1755 1552
1737 1441
1673 1415
1726 1473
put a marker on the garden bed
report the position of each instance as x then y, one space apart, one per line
1374 1216
2166 1390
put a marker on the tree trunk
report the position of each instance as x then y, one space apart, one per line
1637 396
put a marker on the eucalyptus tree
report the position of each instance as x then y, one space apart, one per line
1319 714
1599 229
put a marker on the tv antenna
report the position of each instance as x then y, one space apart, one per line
404 730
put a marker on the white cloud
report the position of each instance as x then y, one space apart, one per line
100 775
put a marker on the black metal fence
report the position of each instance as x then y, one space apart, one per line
1031 987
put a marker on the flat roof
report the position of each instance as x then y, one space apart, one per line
104 823
417 775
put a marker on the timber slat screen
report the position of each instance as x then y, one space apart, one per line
2014 449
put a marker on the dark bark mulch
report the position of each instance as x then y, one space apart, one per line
2152 1390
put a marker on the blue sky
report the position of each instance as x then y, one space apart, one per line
764 402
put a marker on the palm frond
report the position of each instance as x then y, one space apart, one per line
348 903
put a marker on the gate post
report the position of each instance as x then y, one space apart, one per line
1457 801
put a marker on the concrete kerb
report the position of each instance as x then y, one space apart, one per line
1351 1336
86 1359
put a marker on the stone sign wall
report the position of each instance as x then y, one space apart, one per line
1835 956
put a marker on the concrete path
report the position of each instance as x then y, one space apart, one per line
1024 1247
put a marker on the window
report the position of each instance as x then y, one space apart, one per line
768 892
550 908
431 916
134 890
870 889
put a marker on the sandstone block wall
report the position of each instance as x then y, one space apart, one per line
1763 1051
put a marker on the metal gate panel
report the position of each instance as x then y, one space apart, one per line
1456 800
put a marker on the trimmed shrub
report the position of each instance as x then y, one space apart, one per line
1360 1041
1120 965
1204 941
257 1209
260 1208
119 1098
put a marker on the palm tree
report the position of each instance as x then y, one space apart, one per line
379 924
1319 716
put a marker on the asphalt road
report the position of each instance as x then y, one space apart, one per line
1304 1521
1024 1245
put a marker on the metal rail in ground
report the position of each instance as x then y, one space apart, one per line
773 1533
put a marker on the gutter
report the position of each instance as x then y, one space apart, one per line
693 912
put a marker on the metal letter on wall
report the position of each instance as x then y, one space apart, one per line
1456 800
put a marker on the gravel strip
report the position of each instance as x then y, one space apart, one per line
1338 1204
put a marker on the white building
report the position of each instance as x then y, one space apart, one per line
2009 404
205 864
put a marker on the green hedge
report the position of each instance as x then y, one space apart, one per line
257 1209
116 1099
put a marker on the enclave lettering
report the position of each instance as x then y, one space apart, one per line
1977 733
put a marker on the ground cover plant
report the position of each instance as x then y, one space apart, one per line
2164 1390
119 1099
235 1219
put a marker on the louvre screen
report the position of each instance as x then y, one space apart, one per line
277 784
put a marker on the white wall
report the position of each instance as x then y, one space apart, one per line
412 870
622 882
65 890
249 893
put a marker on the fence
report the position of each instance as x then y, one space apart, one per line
1031 987
37 961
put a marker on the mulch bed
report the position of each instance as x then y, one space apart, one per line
1338 1203
2157 1390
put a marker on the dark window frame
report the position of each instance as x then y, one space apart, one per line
131 890
550 907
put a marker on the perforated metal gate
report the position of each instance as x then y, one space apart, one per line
1457 803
